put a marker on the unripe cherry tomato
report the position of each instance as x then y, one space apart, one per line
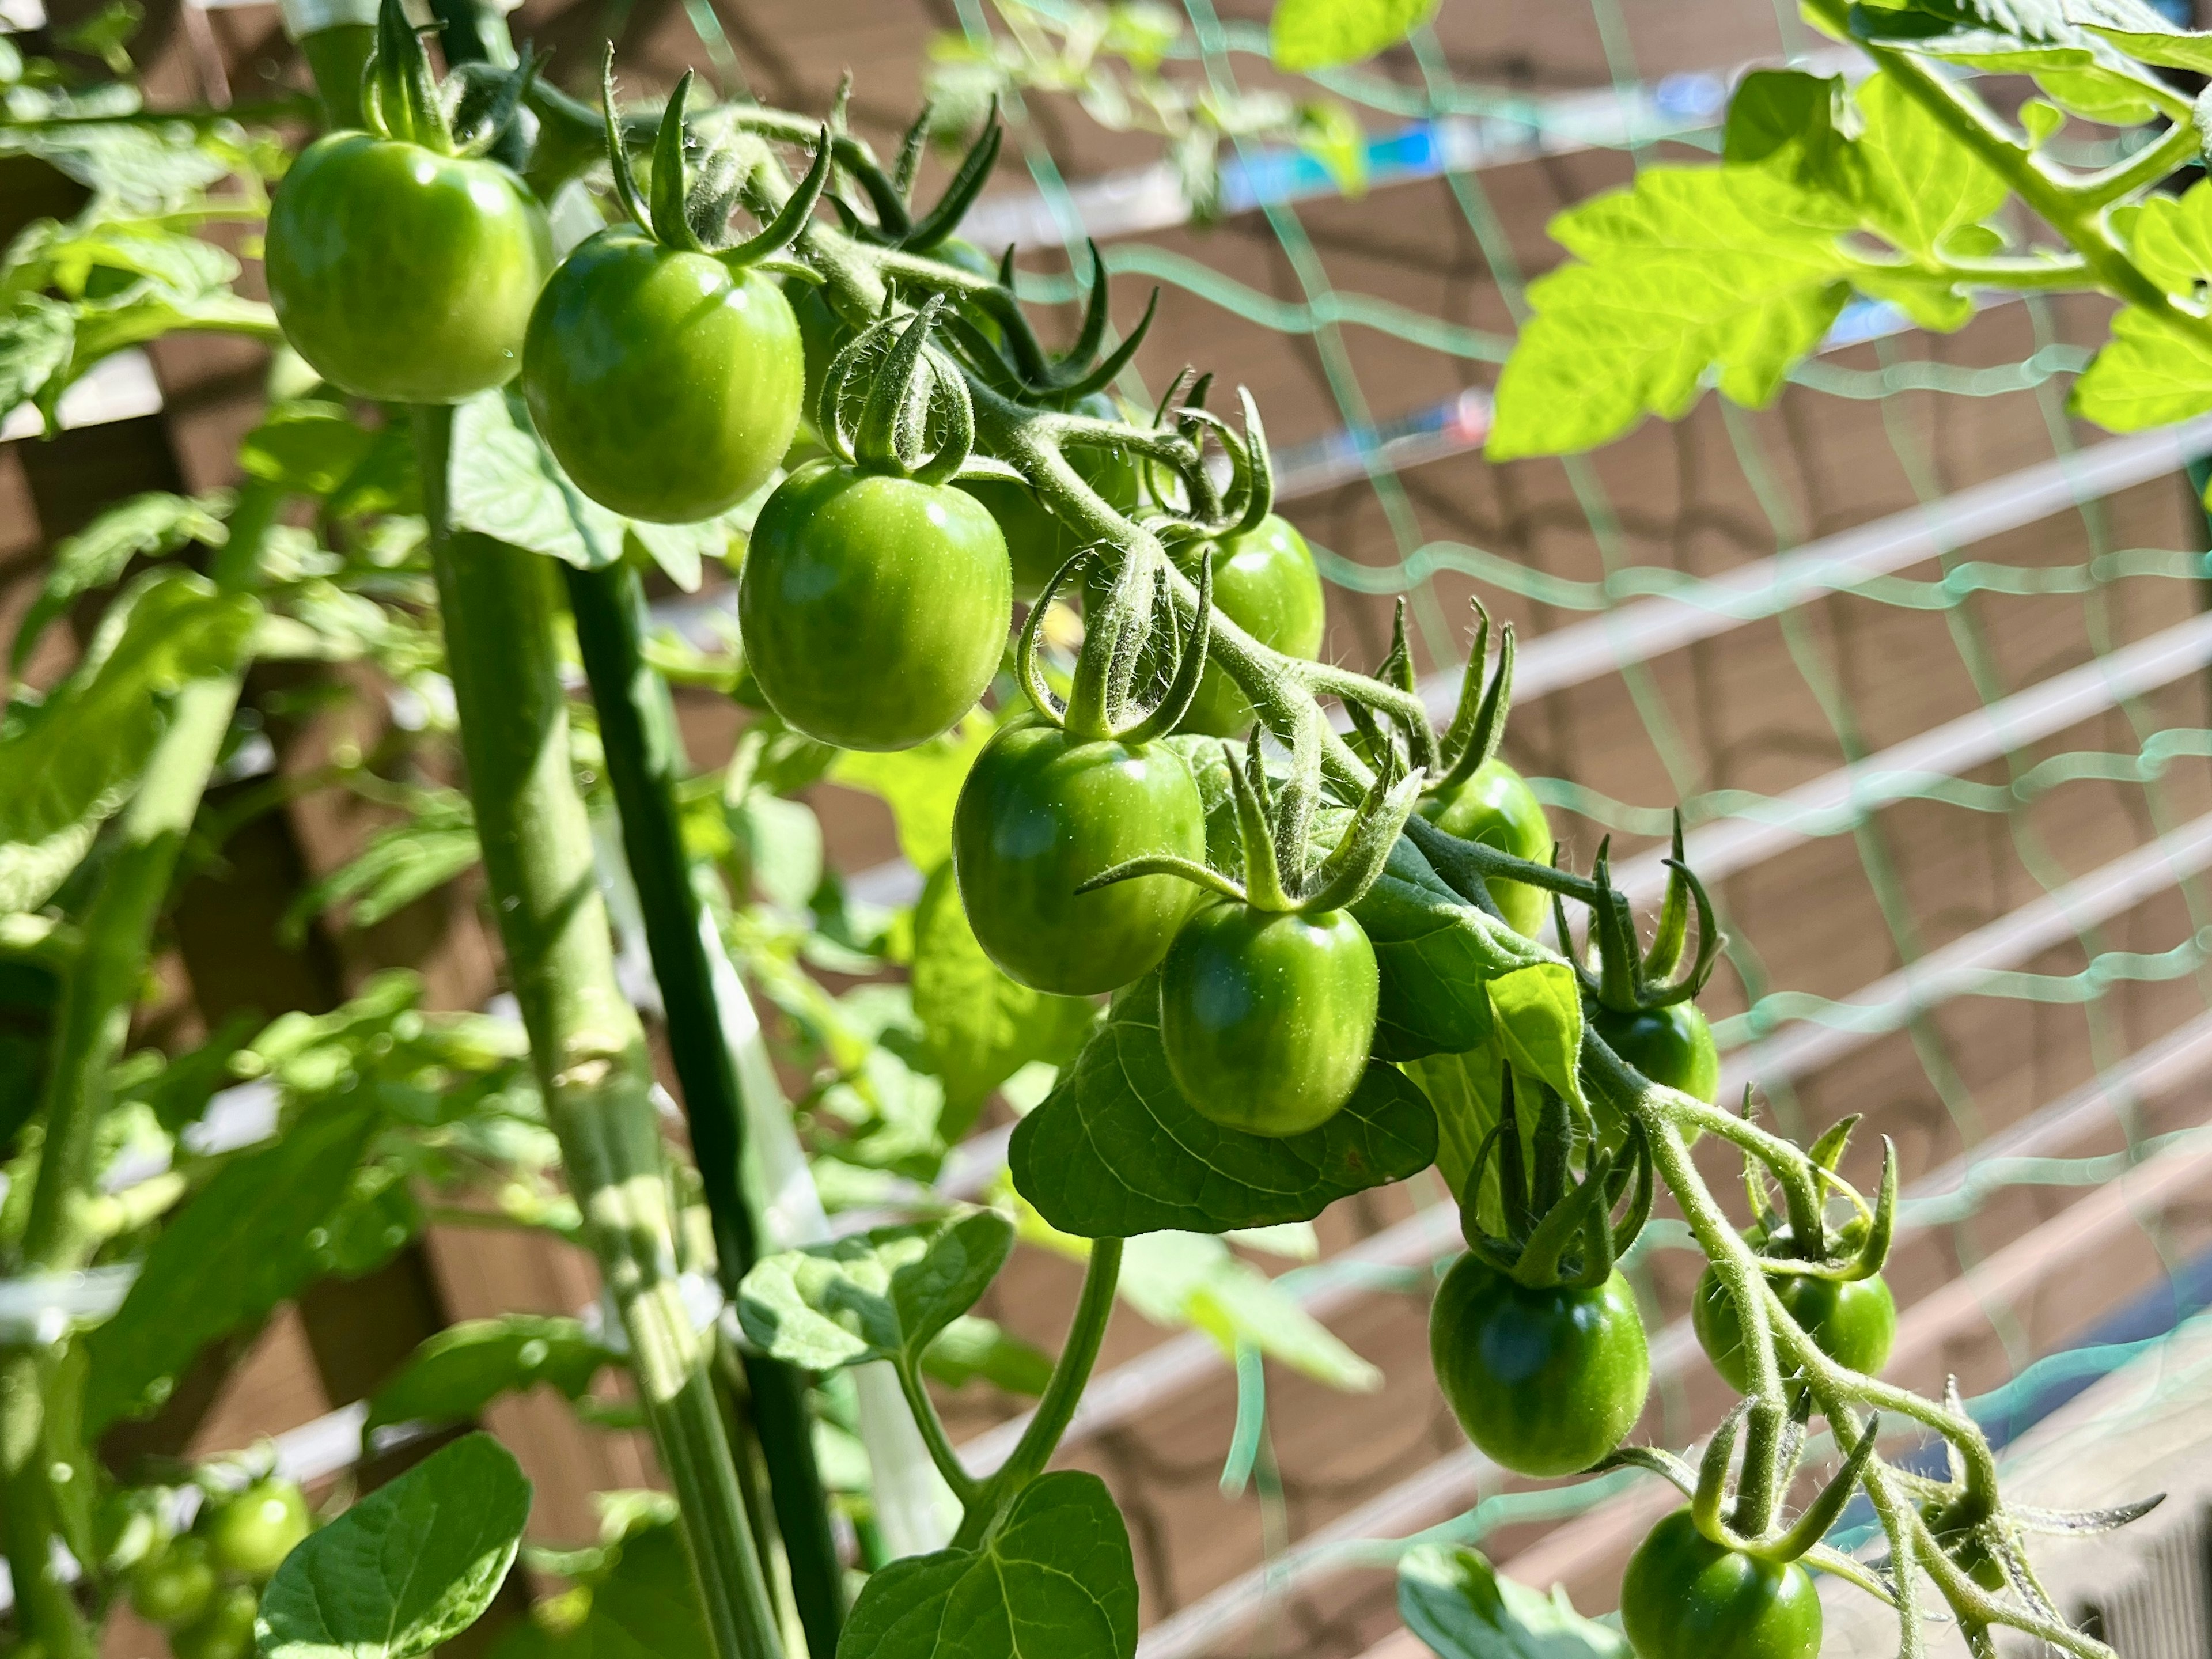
225 1631
1267 1017
1673 1045
403 275
1266 583
1545 1381
174 1586
874 608
1685 1597
250 1531
665 384
1497 807
1852 1320
1041 813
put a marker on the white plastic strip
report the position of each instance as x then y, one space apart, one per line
1849 795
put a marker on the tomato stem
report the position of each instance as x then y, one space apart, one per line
646 765
498 604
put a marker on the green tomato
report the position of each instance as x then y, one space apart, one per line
1852 1320
1037 541
174 1586
1042 813
1545 1382
1685 1597
1672 1045
665 384
1267 1017
1497 807
403 275
874 608
254 1531
225 1631
1266 583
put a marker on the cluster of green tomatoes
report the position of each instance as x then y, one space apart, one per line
204 1587
670 378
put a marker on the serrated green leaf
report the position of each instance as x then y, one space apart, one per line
1192 1279
1114 1150
1692 271
2190 51
921 785
2148 374
398 867
1305 35
1791 123
1434 953
35 336
1537 1021
455 1374
69 763
1463 1608
972 1347
885 1295
411 1565
1464 1089
150 526
1916 182
241 1246
1054 1577
144 313
979 1025
2170 239
506 485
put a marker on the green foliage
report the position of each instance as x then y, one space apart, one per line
973 1347
1305 35
979 1026
68 763
241 1246
455 1374
398 867
1435 953
1463 1608
1115 1151
1054 1575
1192 1279
151 526
635 1599
411 1565
1538 1022
921 785
885 1295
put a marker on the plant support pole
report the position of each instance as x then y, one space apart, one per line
645 764
498 606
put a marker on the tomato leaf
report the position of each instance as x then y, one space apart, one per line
1305 35
1053 1575
1464 1089
1463 1608
35 336
2148 374
921 785
641 1601
411 1565
236 1250
1916 183
970 1347
151 526
1435 952
464 1368
979 1026
885 1295
1192 1279
1539 1022
1114 1150
1689 270
70 763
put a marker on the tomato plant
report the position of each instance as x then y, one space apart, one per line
1250 907
404 266
1546 1380
1852 1320
666 377
1685 1597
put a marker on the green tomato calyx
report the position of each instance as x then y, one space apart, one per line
687 207
1555 1227
401 98
915 419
